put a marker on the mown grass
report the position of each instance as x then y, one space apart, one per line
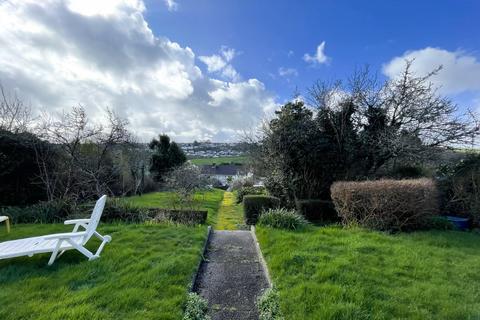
335 273
143 273
219 160
206 200
230 214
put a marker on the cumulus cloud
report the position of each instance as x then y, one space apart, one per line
172 5
319 57
460 71
220 63
287 72
60 53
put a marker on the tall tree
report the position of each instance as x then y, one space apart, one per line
167 155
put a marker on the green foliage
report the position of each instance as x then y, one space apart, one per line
253 206
299 161
249 191
143 274
269 305
42 212
460 184
409 172
282 218
167 155
339 273
317 210
19 169
196 308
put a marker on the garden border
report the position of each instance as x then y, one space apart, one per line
260 257
204 251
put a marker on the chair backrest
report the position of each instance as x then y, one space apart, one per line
95 218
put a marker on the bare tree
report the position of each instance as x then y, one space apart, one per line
15 115
85 154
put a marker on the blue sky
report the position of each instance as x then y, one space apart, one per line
213 69
276 34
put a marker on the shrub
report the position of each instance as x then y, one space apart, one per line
196 308
254 205
249 191
269 305
282 219
317 210
409 172
42 212
461 188
121 210
242 182
391 205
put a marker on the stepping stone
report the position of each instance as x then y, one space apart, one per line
231 277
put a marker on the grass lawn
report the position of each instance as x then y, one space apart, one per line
208 200
230 214
143 273
219 160
335 273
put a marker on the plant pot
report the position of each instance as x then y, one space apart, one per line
459 222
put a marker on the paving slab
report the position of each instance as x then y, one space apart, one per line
231 277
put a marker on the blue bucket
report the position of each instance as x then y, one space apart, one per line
459 222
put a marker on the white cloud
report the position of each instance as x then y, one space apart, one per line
172 5
287 72
220 63
319 57
57 54
460 72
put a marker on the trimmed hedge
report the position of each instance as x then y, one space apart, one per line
121 210
391 205
317 210
188 217
242 192
254 205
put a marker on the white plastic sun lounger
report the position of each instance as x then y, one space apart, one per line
60 242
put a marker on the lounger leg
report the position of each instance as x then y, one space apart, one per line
106 239
54 253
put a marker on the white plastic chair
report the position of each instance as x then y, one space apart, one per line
58 243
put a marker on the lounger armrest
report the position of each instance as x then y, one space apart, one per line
77 221
67 235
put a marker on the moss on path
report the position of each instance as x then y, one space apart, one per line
230 214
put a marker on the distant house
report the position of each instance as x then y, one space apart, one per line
222 172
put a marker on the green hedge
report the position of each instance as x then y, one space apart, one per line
244 191
254 205
317 210
42 212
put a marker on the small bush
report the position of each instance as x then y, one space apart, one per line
42 212
242 182
317 210
121 210
409 172
253 206
242 192
391 205
282 219
196 308
269 305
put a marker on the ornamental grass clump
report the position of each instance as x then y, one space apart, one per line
282 219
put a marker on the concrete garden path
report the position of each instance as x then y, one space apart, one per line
231 277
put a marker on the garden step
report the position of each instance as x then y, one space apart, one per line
231 277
